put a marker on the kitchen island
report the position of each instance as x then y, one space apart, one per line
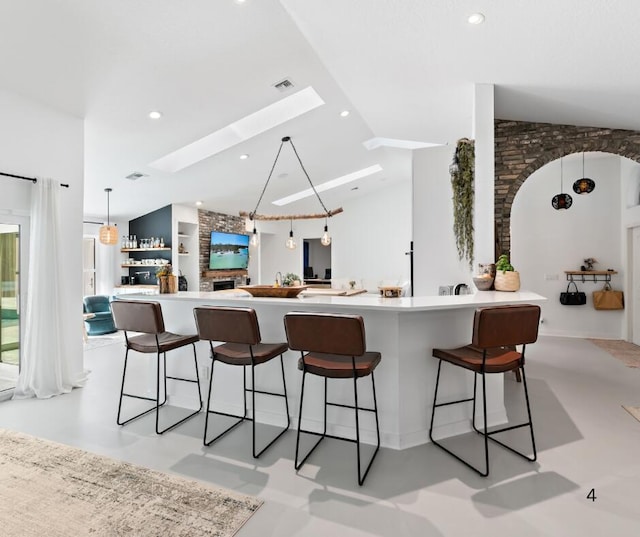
404 330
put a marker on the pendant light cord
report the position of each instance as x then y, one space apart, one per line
252 214
108 191
288 139
306 174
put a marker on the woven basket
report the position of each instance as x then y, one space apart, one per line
507 281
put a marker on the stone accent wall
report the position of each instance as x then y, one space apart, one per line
209 221
522 147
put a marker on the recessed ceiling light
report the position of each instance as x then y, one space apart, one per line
198 203
244 157
240 1
330 184
476 18
155 114
239 131
344 113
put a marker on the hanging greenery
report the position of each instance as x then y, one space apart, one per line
462 174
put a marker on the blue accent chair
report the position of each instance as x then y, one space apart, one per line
102 323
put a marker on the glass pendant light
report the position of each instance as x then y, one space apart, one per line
108 234
291 244
584 185
562 200
255 240
326 238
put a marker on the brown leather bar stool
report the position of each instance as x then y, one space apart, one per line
146 318
239 329
496 332
333 346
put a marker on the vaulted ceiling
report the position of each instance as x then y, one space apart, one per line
404 68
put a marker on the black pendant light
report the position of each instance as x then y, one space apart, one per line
562 200
584 185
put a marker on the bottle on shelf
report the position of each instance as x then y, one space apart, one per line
161 242
135 242
123 244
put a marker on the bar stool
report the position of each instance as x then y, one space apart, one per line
496 332
146 318
239 329
333 346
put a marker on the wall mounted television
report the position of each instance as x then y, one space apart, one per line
228 251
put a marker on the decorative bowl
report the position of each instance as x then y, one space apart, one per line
483 282
275 292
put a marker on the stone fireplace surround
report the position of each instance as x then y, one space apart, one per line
207 222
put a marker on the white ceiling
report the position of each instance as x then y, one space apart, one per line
405 68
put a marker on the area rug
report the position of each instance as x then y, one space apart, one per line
633 410
55 490
627 353
94 342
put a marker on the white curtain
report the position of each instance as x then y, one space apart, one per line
46 368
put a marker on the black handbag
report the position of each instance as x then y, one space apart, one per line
573 298
182 283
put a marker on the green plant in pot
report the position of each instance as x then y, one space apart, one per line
507 278
291 279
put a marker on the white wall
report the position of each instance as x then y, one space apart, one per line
108 258
435 256
38 141
546 242
369 239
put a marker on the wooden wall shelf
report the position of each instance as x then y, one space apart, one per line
223 273
145 249
589 275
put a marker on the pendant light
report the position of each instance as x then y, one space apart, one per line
255 240
291 244
562 200
326 238
584 185
108 234
326 214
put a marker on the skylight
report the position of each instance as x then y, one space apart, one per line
330 184
239 131
374 143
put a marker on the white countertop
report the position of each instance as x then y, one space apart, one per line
365 301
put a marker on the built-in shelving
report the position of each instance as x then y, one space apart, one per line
142 265
145 249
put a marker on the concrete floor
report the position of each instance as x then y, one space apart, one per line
585 441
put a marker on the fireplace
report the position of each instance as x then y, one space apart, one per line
221 285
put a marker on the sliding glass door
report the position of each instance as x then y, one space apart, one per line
10 303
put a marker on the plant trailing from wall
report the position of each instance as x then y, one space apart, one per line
462 179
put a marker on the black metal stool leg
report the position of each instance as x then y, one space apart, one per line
362 477
209 411
196 381
133 396
322 435
286 403
433 411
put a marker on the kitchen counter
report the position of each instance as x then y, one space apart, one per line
404 330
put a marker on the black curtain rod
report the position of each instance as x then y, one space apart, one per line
32 179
